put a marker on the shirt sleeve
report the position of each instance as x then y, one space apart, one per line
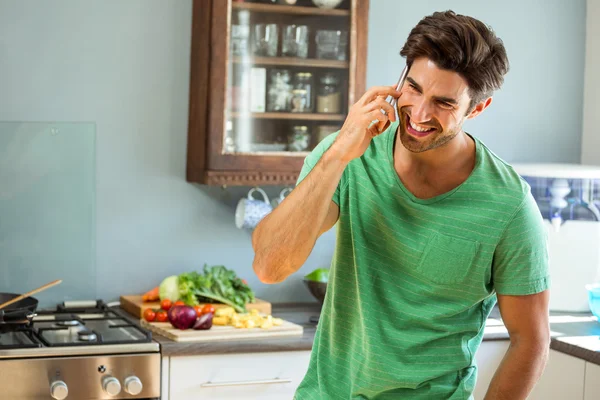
520 264
311 160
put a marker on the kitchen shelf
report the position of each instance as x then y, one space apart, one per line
297 116
296 10
292 62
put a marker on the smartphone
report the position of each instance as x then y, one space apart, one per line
391 99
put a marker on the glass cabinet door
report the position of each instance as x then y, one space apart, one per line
287 81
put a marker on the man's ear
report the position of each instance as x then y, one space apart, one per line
479 107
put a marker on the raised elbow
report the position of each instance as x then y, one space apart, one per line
266 274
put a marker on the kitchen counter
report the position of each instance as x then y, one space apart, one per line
575 334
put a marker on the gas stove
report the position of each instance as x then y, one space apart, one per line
80 350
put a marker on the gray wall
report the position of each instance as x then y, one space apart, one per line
124 66
590 149
537 116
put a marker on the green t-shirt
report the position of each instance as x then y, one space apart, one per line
413 281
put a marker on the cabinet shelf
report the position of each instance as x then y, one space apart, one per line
291 62
295 10
296 116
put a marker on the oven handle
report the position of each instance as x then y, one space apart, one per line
243 383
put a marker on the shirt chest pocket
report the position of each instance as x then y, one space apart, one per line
448 259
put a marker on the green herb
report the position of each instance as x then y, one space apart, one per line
215 284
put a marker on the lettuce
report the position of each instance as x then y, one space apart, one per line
216 284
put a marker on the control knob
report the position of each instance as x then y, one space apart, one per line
59 390
111 386
133 385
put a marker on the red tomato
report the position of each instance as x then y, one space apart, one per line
149 315
179 303
208 308
245 281
166 304
198 310
161 316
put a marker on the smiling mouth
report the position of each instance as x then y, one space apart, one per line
418 130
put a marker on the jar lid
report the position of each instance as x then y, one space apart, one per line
300 128
304 74
299 91
329 78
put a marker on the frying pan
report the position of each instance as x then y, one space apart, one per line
16 315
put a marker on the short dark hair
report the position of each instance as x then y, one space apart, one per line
461 44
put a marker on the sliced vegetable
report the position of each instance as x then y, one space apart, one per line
169 288
149 315
204 322
182 317
166 304
151 295
161 316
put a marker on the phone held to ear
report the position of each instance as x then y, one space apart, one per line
392 100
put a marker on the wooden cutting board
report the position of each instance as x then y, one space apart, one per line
135 306
218 333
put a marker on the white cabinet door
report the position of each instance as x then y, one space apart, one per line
488 357
264 376
592 381
164 390
563 378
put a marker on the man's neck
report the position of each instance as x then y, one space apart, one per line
453 155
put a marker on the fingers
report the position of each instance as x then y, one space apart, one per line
381 104
376 91
376 114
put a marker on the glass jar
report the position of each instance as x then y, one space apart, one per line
279 94
304 81
295 41
299 100
329 96
299 139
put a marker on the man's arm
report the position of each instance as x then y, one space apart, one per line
284 239
526 319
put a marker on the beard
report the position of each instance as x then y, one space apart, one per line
434 140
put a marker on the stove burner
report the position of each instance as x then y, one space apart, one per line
68 322
87 335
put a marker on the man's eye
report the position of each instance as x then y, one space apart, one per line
447 106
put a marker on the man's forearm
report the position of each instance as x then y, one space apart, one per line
519 371
284 239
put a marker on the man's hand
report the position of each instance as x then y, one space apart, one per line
526 319
357 131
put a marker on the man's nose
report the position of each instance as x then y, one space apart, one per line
421 111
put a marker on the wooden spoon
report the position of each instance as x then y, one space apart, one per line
34 291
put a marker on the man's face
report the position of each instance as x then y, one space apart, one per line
433 106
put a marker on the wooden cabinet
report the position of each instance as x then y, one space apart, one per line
592 382
267 83
563 378
251 376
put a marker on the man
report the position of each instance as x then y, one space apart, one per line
432 230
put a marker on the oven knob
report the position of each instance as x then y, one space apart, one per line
133 385
59 390
111 386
